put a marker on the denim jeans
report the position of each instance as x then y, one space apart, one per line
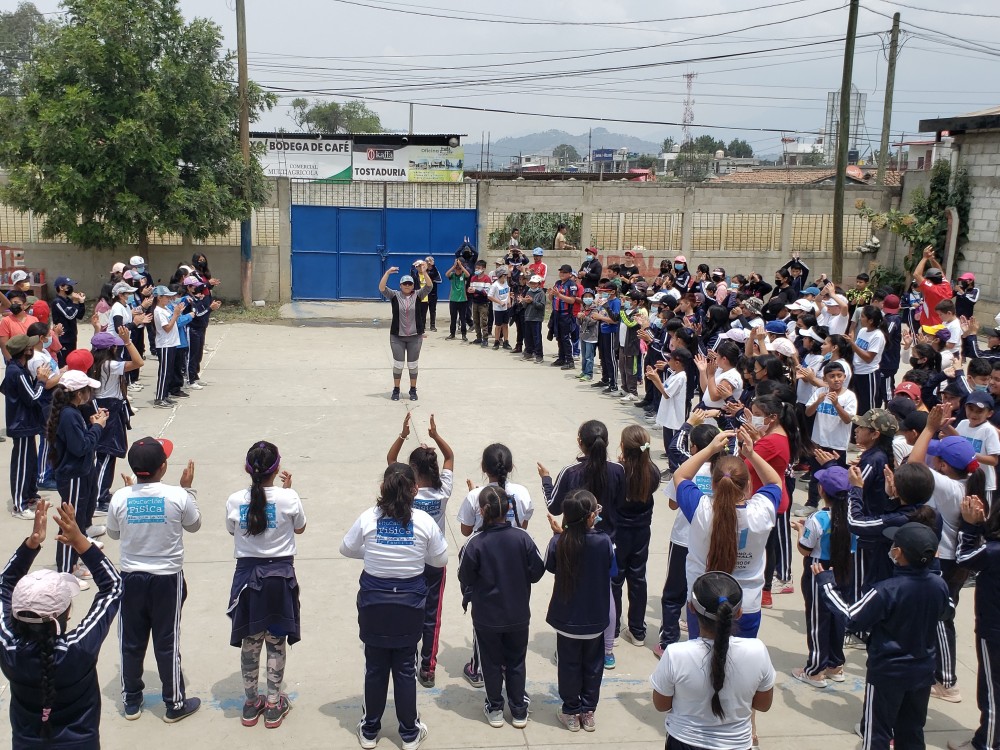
589 350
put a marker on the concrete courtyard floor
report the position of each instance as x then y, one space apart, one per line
320 392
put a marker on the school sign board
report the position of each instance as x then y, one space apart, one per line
382 158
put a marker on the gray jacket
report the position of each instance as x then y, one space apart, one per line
535 310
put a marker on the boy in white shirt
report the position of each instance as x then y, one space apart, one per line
833 406
670 415
150 519
983 436
499 295
946 310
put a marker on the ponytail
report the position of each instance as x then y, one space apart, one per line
44 635
720 651
730 479
425 466
715 597
261 464
594 438
840 538
399 487
61 399
577 507
497 463
493 504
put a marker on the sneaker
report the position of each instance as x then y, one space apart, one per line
84 585
629 398
252 711
82 572
539 359
196 386
609 661
557 363
188 707
180 394
785 587
643 404
133 711
804 511
496 344
629 637
611 390
200 382
477 341
816 682
413 394
835 675
425 677
368 743
599 384
519 722
765 600
48 485
465 338
587 378
162 404
96 530
101 510
170 401
434 329
416 741
952 695
568 366
517 349
651 419
473 678
495 718
587 721
27 514
658 650
134 387
956 745
506 345
485 344
570 721
450 338
275 713
395 394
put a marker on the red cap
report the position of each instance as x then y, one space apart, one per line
909 389
890 304
80 359
40 309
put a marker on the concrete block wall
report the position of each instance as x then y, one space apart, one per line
980 155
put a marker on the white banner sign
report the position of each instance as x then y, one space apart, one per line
306 158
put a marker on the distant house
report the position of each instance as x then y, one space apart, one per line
922 155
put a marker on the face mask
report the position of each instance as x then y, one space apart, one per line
678 266
589 256
15 308
914 362
47 343
757 422
982 388
139 269
588 300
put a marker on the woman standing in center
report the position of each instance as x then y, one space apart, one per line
406 331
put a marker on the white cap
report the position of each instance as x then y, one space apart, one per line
118 267
44 593
658 297
782 346
74 380
136 260
122 287
832 302
18 276
738 335
536 279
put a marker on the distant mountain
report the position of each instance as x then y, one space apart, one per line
502 149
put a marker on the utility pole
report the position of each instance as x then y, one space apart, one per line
410 131
843 144
890 83
246 244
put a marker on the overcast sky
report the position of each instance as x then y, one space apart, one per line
406 51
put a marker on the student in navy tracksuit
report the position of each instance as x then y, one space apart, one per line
979 551
396 541
55 698
67 309
23 400
583 561
889 364
608 312
902 614
73 451
498 565
201 293
875 430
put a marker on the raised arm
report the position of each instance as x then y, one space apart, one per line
385 278
447 454
393 455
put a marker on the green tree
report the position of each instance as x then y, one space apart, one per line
703 144
812 159
565 153
646 161
693 167
537 230
127 124
739 149
20 31
668 143
332 117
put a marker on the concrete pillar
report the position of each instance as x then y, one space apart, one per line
586 216
284 240
687 222
787 222
482 239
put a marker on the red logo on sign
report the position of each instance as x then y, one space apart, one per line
371 154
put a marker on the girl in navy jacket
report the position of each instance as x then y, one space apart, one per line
55 697
583 561
498 565
23 399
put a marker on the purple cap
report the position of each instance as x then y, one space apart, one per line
105 340
955 451
834 479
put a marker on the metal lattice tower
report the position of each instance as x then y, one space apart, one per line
689 106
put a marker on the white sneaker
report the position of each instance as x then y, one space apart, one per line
84 585
628 397
952 695
368 743
26 514
495 718
421 736
956 745
96 530
196 386
630 638
800 675
135 387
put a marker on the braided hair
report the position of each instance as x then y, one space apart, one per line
44 635
262 463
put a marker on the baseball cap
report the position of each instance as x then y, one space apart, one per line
802 304
40 309
74 380
64 281
916 420
121 288
980 399
407 279
502 271
137 260
565 268
44 594
80 360
147 455
630 253
538 251
680 259
719 272
775 326
879 420
955 451
908 389
191 281
18 276
917 542
832 302
658 297
118 268
967 277
128 275
811 290
933 273
17 345
954 389
161 291
105 340
536 279
739 335
498 262
636 295
890 304
782 346
834 479
901 407
754 304
810 333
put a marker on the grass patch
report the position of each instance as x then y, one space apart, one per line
235 312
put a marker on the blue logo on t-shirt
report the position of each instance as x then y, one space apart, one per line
825 407
744 535
703 483
977 445
390 531
145 510
430 507
270 510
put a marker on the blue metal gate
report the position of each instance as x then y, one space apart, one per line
340 252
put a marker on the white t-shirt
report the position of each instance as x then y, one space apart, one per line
165 339
40 358
834 323
900 449
150 519
947 498
955 329
829 430
284 515
681 530
391 550
468 511
111 380
985 441
121 311
733 376
501 292
670 413
685 673
754 523
433 502
803 388
870 341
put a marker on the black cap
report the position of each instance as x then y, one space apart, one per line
147 455
918 543
915 421
565 268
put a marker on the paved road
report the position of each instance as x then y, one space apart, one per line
321 394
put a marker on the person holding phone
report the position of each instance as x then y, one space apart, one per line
406 331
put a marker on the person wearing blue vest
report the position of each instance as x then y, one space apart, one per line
607 312
902 614
565 296
23 402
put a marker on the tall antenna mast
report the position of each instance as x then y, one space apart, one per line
689 106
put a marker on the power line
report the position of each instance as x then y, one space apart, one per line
948 12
